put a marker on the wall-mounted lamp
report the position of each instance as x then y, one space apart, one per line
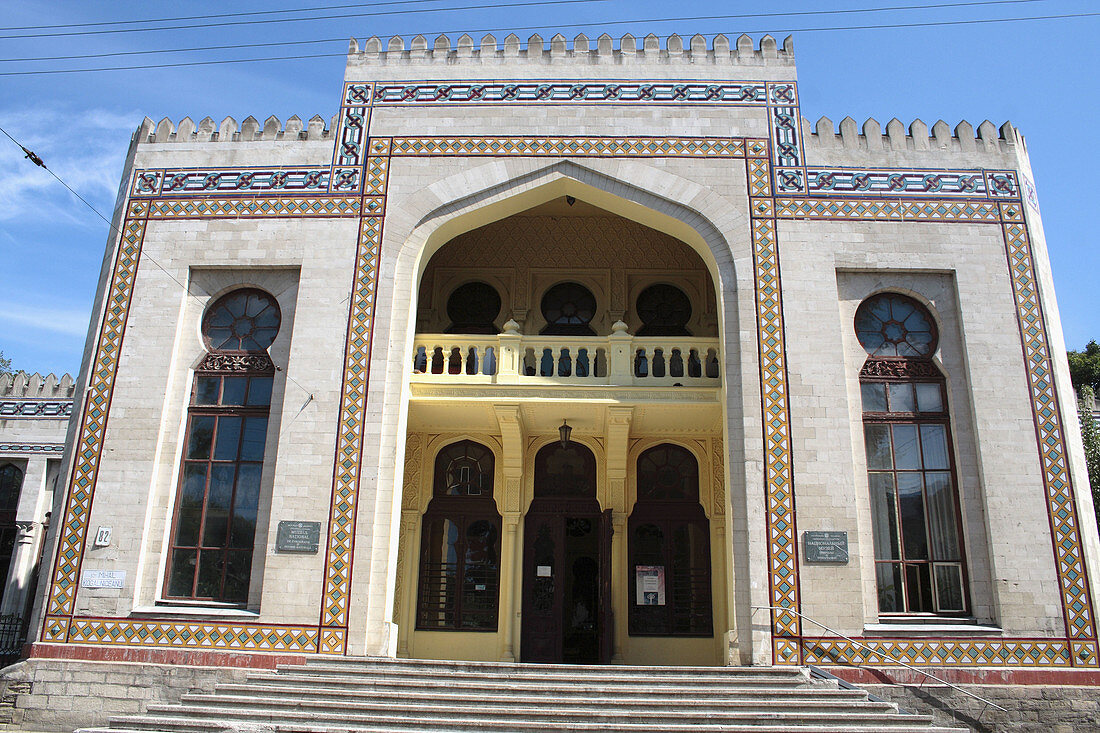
564 432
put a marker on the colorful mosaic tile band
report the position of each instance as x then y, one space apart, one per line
93 425
887 210
351 136
938 652
778 473
221 180
551 92
10 409
971 184
194 635
32 448
254 207
349 440
576 146
1052 447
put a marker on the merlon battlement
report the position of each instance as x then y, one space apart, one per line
229 131
987 138
22 384
583 50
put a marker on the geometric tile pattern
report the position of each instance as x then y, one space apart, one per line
585 92
224 180
938 652
32 447
887 210
234 208
351 135
786 136
974 183
194 635
578 146
93 424
349 441
10 409
1052 446
778 475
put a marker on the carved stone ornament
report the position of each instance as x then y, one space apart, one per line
236 363
900 369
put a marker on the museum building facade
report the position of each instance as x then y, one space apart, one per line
575 352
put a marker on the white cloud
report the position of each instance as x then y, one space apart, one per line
67 321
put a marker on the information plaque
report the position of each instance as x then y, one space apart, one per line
295 536
830 547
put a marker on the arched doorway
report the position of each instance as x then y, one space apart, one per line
566 561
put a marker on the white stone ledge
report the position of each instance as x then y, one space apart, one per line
195 611
924 628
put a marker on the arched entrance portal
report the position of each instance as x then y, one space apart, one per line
566 562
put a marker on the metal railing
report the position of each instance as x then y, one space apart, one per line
13 634
927 675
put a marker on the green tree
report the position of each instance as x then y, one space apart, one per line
5 364
1090 434
1084 367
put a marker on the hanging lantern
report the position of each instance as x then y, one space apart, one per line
564 432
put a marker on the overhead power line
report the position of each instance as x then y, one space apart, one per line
344 39
878 26
418 11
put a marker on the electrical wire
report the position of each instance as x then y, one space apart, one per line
493 6
344 39
878 26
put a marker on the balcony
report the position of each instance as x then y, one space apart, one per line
512 358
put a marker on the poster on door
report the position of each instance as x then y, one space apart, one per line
649 584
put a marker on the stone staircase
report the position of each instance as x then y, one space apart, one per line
398 696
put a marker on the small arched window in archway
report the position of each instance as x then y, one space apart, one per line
565 471
217 501
919 561
244 320
668 473
664 311
568 308
473 308
459 580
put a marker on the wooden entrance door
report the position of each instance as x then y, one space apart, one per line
566 562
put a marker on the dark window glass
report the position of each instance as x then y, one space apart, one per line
565 471
244 320
669 548
895 325
568 309
473 308
11 483
664 310
459 586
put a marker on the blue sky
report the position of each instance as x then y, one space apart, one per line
1040 74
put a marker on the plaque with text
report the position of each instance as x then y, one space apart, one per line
295 536
828 547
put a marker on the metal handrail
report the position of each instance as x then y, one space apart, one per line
918 670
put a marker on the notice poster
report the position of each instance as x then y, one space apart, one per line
649 585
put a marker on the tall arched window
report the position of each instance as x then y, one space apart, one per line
459 586
919 564
669 548
214 531
11 484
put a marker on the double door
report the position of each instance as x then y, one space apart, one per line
567 583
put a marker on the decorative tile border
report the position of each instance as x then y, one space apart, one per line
194 635
15 409
938 652
32 448
887 210
663 147
559 92
351 136
206 181
869 181
255 207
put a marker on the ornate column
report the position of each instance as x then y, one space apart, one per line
618 447
510 421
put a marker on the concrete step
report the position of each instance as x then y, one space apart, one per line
336 693
588 670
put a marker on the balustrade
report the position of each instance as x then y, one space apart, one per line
618 359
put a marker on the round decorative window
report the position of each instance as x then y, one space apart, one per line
568 308
664 311
895 325
244 320
472 308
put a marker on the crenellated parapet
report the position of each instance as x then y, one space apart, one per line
917 137
250 129
22 384
602 50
